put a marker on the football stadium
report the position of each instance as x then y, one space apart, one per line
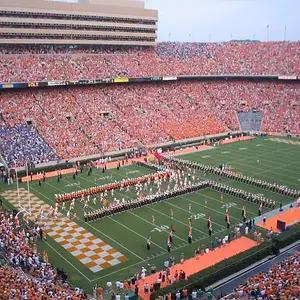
132 168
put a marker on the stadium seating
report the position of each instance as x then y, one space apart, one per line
88 120
22 143
250 121
280 282
69 63
73 122
40 280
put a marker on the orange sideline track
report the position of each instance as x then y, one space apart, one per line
237 139
194 265
109 165
114 164
48 174
290 217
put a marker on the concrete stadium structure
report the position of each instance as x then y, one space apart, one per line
94 22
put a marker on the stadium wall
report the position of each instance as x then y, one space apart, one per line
95 22
126 80
121 154
115 155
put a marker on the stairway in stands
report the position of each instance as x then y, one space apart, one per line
250 121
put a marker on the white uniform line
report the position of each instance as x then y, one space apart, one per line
108 237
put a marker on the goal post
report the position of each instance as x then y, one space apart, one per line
22 208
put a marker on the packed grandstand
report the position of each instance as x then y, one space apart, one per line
91 120
46 124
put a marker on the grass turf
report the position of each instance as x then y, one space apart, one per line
127 232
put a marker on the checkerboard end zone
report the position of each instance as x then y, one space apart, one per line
91 251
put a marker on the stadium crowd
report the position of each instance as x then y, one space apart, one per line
39 63
280 282
22 144
40 281
88 120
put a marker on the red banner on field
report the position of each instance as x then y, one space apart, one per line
158 156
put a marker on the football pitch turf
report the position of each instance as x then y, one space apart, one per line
275 162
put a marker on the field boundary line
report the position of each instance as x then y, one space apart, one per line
95 228
178 248
146 221
245 159
215 199
149 206
210 209
59 254
67 260
129 229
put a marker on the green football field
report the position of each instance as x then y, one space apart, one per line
275 162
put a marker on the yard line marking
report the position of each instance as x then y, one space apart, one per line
161 212
134 232
67 261
265 153
250 174
60 255
151 224
169 216
215 199
94 227
138 263
268 170
261 155
210 209
196 229
119 223
91 251
188 212
286 141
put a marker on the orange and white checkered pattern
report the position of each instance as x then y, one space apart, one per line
275 139
87 248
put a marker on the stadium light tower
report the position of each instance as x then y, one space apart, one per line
28 188
268 26
285 28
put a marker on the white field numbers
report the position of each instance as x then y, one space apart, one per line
133 172
73 184
160 228
228 205
166 228
198 216
103 178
